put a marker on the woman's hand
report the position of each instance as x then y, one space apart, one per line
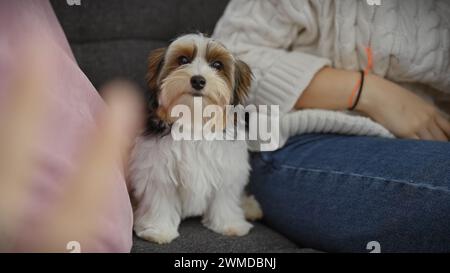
22 121
402 112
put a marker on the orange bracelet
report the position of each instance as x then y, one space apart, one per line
369 60
358 90
352 103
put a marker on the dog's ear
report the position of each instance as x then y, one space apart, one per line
155 64
154 124
243 80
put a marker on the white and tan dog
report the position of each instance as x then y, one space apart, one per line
172 180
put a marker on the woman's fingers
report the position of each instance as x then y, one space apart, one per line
425 134
435 130
437 133
444 124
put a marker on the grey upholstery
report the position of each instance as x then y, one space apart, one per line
195 238
113 39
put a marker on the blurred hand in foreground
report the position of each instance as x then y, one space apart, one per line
21 121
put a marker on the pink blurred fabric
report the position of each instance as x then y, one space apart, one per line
73 107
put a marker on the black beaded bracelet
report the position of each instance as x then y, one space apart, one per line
358 96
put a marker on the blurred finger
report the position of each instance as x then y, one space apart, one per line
117 90
120 88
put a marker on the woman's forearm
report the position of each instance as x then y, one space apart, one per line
330 89
400 111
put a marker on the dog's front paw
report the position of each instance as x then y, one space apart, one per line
251 207
159 235
236 228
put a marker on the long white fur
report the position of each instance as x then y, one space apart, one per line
172 180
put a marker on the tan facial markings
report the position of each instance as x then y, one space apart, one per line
184 50
216 52
173 56
227 79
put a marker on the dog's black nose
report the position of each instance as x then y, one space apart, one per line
198 82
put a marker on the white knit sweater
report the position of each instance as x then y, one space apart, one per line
286 42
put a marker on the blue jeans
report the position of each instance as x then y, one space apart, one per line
338 193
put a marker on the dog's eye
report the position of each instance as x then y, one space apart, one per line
183 60
217 65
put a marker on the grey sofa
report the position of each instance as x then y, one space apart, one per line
112 39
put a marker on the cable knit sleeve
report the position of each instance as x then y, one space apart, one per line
261 33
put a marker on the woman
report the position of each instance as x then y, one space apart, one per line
363 72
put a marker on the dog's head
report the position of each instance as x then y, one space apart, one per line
195 66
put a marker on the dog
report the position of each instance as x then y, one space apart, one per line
172 180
